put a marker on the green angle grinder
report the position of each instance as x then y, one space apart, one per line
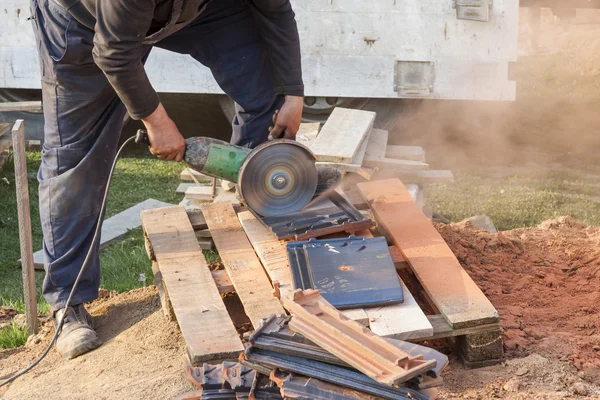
276 178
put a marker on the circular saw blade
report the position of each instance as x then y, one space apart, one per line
278 178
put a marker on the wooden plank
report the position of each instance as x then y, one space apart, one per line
116 226
307 133
391 163
5 140
186 175
202 234
399 261
414 153
362 149
441 329
245 270
199 309
201 193
342 135
403 321
197 220
227 197
29 106
206 243
321 323
228 186
273 255
222 280
377 144
448 285
24 220
428 176
366 173
183 187
162 293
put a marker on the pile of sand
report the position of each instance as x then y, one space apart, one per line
545 283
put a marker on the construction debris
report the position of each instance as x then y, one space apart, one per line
321 323
347 302
332 214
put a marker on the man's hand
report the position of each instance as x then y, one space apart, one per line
165 139
286 121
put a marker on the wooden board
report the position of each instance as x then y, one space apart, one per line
441 329
307 133
366 173
5 140
227 197
27 106
414 153
362 149
201 314
448 285
197 220
428 176
273 255
377 144
24 222
222 280
245 270
186 175
201 193
391 163
404 321
342 135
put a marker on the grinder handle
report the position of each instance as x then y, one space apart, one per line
141 137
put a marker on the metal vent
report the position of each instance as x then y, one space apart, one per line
414 78
473 10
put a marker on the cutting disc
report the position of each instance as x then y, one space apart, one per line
278 178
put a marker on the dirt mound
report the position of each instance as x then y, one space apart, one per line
143 356
545 283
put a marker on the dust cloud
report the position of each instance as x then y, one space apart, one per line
555 121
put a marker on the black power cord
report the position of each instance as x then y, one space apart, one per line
80 274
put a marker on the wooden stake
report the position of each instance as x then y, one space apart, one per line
24 210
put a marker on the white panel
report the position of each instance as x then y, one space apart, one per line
348 51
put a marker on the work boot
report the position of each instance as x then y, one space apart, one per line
77 336
328 178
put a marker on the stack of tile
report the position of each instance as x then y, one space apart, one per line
318 353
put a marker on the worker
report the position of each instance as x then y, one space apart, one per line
92 55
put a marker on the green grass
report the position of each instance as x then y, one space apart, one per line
519 200
135 180
12 336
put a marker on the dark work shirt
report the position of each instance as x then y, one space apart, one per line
123 25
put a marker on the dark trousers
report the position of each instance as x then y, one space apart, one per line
84 119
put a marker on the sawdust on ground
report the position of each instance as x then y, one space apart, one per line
143 356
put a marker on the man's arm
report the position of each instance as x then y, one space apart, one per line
277 25
121 27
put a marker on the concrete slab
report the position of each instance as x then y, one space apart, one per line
114 227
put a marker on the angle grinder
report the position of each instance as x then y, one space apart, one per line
276 178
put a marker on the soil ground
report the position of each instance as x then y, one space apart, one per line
544 281
143 356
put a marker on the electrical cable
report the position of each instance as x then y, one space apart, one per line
80 274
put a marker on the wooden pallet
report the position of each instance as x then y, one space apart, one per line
430 311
